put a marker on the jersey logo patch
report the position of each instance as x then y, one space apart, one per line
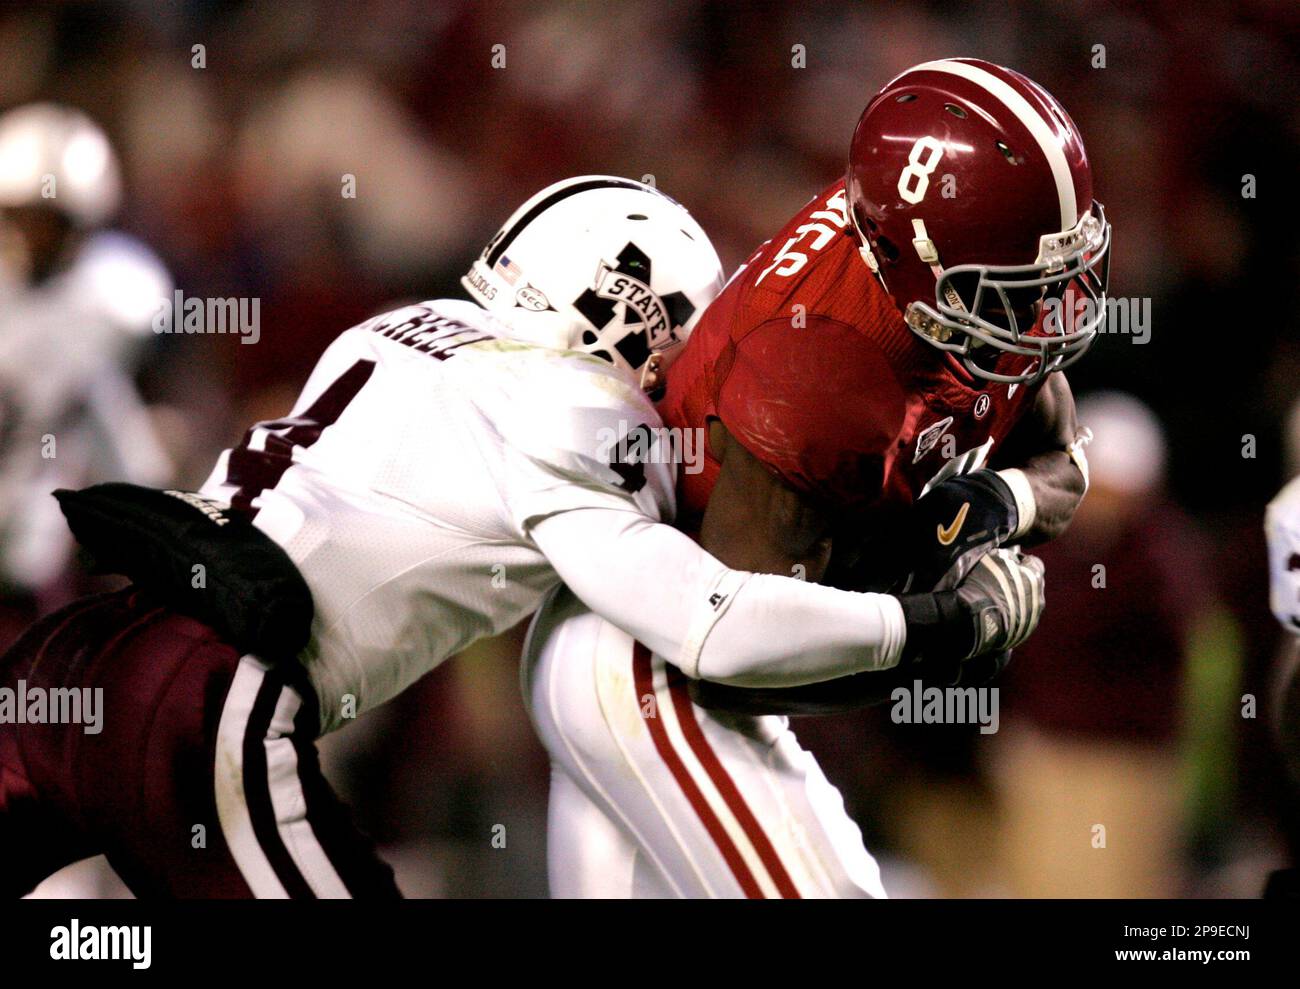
929 438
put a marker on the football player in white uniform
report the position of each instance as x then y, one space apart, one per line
446 466
76 303
1282 528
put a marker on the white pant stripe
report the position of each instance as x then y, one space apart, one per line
232 805
290 804
285 789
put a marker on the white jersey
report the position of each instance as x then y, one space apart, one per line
69 414
406 479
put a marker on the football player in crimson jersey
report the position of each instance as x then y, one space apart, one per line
898 322
903 335
858 379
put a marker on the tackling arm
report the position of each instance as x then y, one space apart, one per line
711 621
716 620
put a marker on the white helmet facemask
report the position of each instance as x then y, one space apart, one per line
599 264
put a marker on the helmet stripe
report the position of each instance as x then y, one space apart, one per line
1033 121
543 205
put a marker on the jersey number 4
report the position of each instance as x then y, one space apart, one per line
266 453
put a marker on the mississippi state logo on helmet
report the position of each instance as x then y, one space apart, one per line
600 264
971 196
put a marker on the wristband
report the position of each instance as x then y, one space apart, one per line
1023 493
937 627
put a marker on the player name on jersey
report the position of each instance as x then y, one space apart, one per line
419 328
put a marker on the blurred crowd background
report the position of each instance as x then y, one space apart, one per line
1126 710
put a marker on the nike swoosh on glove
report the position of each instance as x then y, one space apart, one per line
954 525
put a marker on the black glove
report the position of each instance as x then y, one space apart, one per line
251 591
995 608
955 524
983 670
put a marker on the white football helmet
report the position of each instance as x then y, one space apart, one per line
56 156
604 265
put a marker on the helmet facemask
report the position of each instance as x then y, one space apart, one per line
998 306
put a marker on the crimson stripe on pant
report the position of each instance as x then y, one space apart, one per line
718 775
726 785
644 679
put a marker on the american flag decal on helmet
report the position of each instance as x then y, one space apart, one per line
509 270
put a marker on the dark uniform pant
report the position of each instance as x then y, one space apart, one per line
202 780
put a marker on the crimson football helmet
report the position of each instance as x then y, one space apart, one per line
971 196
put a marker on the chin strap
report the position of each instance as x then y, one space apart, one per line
650 372
657 365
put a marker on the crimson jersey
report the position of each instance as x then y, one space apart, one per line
808 364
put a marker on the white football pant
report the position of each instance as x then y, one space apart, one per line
652 796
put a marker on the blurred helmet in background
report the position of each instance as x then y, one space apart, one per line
59 158
971 194
603 265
